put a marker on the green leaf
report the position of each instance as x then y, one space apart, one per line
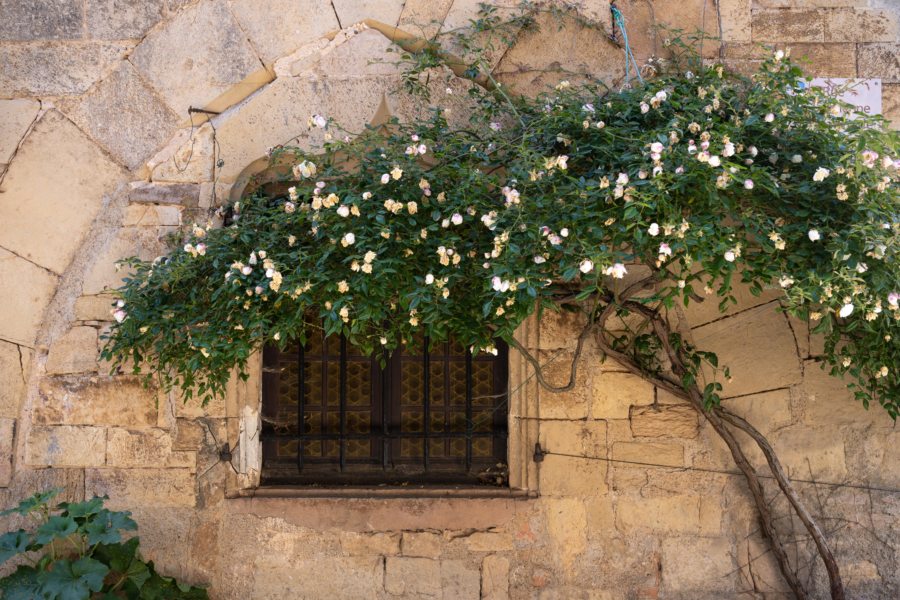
56 527
13 543
87 508
105 527
69 580
22 584
31 504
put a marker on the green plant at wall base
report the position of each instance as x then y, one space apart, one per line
76 551
703 177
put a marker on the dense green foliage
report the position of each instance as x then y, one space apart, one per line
76 551
702 176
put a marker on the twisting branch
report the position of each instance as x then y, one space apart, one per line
539 369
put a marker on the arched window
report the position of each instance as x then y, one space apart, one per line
434 414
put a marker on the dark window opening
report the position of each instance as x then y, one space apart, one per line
433 415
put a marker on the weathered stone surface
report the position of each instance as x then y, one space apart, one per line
424 17
735 15
459 580
145 448
128 488
557 329
659 453
54 68
643 21
758 347
14 361
827 399
124 115
66 446
354 11
122 19
41 20
364 55
664 421
185 194
362 544
74 352
822 60
94 308
187 158
346 578
806 453
218 56
486 541
685 572
880 60
105 274
25 291
412 577
278 27
573 404
574 477
495 577
581 438
541 57
859 25
15 118
766 411
7 448
808 3
90 401
566 529
680 514
154 215
614 393
788 26
38 208
890 103
423 544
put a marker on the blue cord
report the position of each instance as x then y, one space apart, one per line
629 55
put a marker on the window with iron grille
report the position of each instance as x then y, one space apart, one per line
433 414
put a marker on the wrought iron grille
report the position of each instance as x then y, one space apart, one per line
433 414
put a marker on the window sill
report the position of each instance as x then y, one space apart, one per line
383 492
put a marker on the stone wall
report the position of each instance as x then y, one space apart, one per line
99 159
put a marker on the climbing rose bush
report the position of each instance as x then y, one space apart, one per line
700 177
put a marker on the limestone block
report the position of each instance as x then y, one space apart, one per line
735 16
121 19
65 446
810 453
664 421
860 25
826 400
691 565
489 541
74 352
188 157
679 514
601 516
766 411
566 476
424 17
459 581
130 488
658 453
345 578
124 115
880 60
184 194
495 577
788 26
423 544
14 362
38 20
199 54
363 55
412 577
573 404
278 113
25 291
581 438
808 3
459 19
15 118
142 215
145 448
758 347
81 401
822 60
542 57
642 19
55 68
354 11
279 27
105 274
559 329
368 544
46 213
7 449
700 313
566 528
94 308
890 104
615 393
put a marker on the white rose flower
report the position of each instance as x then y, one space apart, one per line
586 266
820 174
653 229
814 235
846 310
343 210
348 240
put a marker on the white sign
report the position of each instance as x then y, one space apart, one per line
865 94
